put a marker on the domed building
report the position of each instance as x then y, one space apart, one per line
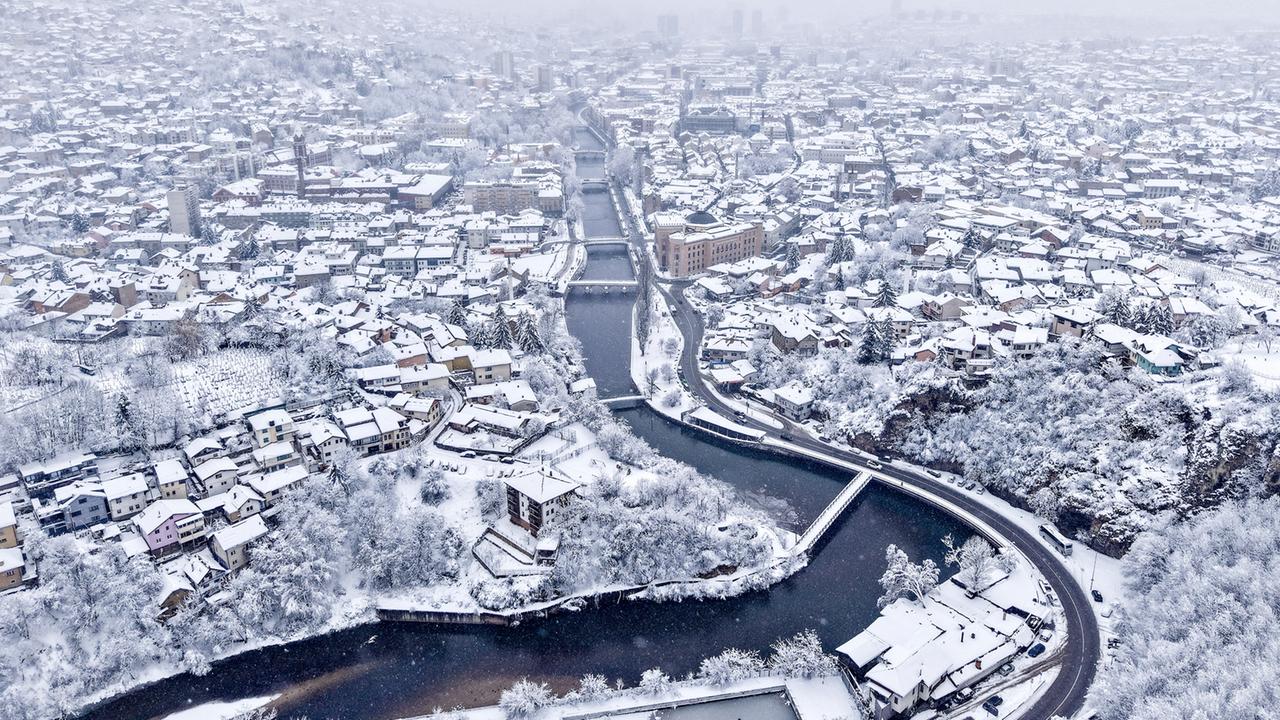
689 244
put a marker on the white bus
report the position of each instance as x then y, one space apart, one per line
1055 538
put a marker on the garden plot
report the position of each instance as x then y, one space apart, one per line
223 383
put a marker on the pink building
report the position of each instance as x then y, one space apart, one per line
171 525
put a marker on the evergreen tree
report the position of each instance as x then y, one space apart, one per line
870 344
79 222
793 258
457 315
1160 320
888 339
57 271
528 337
501 338
1140 319
250 250
887 296
481 335
126 422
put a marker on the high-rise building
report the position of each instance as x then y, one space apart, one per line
300 162
757 22
184 210
503 64
668 25
737 22
546 79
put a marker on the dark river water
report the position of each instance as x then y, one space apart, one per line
390 670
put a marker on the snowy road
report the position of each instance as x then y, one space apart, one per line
1068 692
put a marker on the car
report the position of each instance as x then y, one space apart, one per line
964 693
785 436
1036 650
970 485
1005 669
994 701
1106 612
980 489
824 437
875 464
739 414
934 473
992 709
1097 596
469 454
509 460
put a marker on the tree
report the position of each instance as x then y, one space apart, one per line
593 687
903 578
870 345
792 262
654 682
1160 320
887 295
975 558
501 337
527 335
1114 306
801 656
730 666
524 698
127 424
457 315
249 250
79 223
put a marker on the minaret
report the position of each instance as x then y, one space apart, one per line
300 159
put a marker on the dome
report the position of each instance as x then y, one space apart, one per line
700 217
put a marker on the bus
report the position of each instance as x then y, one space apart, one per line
1055 538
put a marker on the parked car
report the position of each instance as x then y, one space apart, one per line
994 701
1106 612
1097 596
875 464
965 693
934 473
1006 669
1036 650
824 437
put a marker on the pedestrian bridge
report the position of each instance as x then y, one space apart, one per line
603 286
830 513
624 402
606 240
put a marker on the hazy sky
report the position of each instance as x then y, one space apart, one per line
799 10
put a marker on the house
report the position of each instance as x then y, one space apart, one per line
169 526
374 431
75 506
171 479
1072 320
241 502
230 545
13 568
8 526
491 365
273 486
41 478
126 495
276 455
535 496
919 653
215 476
794 400
429 410
320 440
271 426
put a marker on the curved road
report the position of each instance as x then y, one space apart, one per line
1066 695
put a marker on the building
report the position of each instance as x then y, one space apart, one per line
184 210
8 526
503 64
170 525
13 568
536 495
690 245
503 197
230 545
668 26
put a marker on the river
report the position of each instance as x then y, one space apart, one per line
390 670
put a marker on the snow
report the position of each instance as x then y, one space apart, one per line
221 710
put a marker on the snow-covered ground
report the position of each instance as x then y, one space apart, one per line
1262 365
659 360
818 698
221 710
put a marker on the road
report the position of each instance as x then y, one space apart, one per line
1066 695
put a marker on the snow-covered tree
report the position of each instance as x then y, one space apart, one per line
975 559
654 682
903 578
730 666
525 698
802 656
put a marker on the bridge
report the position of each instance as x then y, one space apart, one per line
606 240
603 286
594 185
833 510
624 402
